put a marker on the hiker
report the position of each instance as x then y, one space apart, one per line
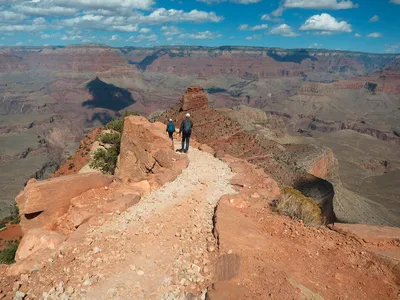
186 131
171 129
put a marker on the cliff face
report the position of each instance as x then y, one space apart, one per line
246 62
256 62
78 59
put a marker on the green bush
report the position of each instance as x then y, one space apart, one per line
71 166
7 256
105 160
111 138
118 123
299 207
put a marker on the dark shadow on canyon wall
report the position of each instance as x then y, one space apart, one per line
295 57
322 191
101 117
108 96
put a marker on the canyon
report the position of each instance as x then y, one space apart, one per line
305 100
201 225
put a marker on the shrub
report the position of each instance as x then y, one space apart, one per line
111 138
105 160
118 123
297 206
71 166
7 256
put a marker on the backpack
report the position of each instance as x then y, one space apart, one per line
171 127
187 127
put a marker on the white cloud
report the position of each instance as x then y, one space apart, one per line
125 28
133 4
395 1
374 18
267 17
42 10
374 35
253 28
234 1
395 48
50 36
142 37
201 35
357 35
11 17
170 30
39 21
314 4
144 30
21 28
114 37
284 30
315 45
319 4
253 37
162 15
326 23
19 44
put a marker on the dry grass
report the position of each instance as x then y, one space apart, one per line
297 206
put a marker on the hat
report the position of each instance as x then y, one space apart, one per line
170 120
188 115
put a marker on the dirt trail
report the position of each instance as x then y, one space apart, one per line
162 247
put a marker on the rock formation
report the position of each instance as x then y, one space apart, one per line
193 98
227 136
146 152
52 210
42 203
214 226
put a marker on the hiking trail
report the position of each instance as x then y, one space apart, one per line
162 247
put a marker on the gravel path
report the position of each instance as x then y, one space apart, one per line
162 247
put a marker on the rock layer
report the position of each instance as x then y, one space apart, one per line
42 203
194 98
146 151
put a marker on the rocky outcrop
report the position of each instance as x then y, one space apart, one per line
193 98
226 136
36 240
146 153
42 203
251 238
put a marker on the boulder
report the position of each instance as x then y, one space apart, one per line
42 203
38 239
146 151
194 98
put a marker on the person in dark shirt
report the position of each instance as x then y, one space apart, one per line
171 130
186 131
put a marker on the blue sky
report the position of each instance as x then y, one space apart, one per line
357 25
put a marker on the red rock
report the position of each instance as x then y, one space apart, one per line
42 203
146 149
79 216
36 240
236 200
143 187
371 234
206 148
194 98
120 203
